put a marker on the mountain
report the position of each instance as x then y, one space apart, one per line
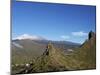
53 58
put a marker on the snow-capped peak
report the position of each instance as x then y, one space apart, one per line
31 37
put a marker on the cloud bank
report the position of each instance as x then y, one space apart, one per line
65 37
80 33
31 37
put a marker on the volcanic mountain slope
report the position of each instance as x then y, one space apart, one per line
28 52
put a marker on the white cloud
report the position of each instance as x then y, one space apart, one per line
80 33
65 37
31 37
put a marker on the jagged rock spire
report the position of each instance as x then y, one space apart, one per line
91 34
48 48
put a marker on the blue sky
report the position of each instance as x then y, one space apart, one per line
53 21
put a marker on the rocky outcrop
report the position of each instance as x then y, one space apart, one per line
91 34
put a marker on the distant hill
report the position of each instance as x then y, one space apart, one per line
23 48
